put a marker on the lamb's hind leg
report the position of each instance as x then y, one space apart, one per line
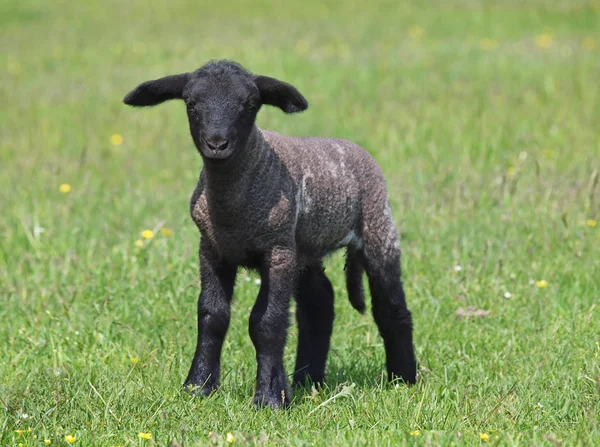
314 314
382 263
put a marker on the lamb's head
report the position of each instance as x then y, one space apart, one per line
222 101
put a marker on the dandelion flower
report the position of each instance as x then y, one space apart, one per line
591 223
134 360
414 433
147 234
70 438
145 435
230 438
484 436
588 43
487 44
166 231
116 139
139 48
416 32
14 68
47 442
65 188
139 243
543 41
541 283
302 47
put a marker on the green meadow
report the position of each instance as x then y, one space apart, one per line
485 117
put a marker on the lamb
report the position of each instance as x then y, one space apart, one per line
279 205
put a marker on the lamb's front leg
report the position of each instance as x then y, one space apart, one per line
217 280
269 322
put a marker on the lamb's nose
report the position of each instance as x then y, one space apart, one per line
217 143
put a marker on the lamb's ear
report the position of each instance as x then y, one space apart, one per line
280 94
160 90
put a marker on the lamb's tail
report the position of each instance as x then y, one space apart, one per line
354 279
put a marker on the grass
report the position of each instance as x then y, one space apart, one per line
484 117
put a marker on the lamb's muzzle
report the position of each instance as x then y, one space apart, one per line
280 204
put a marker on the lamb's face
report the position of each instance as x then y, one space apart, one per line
221 109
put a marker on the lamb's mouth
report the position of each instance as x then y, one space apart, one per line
218 158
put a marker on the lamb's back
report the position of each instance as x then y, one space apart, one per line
333 178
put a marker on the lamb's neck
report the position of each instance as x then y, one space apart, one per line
227 185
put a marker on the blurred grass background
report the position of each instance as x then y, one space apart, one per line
484 116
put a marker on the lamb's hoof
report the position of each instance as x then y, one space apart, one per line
203 390
273 400
304 380
407 379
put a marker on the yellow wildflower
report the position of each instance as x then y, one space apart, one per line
65 188
588 43
543 41
139 48
414 433
302 47
166 231
416 32
487 44
116 139
70 438
484 436
230 438
20 444
47 442
139 243
591 223
541 283
145 435
147 234
134 360
14 68
20 431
